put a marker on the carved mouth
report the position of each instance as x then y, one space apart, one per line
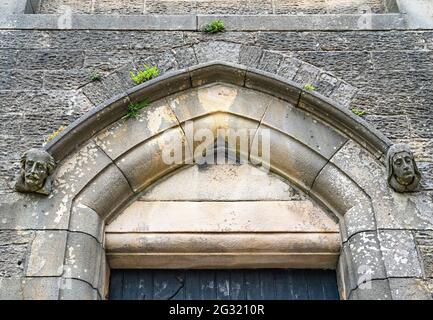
408 173
32 178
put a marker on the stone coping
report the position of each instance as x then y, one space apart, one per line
328 22
321 107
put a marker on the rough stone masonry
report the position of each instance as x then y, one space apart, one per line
46 70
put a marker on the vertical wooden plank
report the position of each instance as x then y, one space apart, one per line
192 285
180 277
223 284
267 284
252 284
282 289
292 291
237 285
299 284
314 284
145 283
130 284
208 285
329 281
167 284
116 285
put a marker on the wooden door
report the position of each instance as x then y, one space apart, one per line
251 284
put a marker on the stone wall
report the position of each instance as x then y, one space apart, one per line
214 7
41 73
45 83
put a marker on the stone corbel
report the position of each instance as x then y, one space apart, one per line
37 165
403 173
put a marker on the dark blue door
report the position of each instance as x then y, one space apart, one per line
251 284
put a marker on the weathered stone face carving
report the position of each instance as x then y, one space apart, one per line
36 167
403 173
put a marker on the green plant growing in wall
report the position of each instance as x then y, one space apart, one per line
309 87
95 77
214 27
145 74
358 112
134 109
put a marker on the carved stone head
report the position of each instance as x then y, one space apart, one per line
36 167
403 173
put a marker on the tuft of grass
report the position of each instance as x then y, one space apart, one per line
95 77
214 27
309 87
145 74
358 112
54 134
134 109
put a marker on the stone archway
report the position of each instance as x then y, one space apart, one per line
105 162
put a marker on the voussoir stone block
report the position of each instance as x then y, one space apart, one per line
213 132
217 72
96 92
47 254
115 83
400 254
302 127
270 61
289 67
107 192
258 80
165 62
343 93
77 170
307 74
217 50
351 205
153 159
127 133
219 98
86 220
289 158
362 167
185 57
249 56
326 83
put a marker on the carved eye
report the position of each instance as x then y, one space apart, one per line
408 159
398 162
29 163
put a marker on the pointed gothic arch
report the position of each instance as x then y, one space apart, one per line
105 161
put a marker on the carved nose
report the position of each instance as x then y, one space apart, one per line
406 168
